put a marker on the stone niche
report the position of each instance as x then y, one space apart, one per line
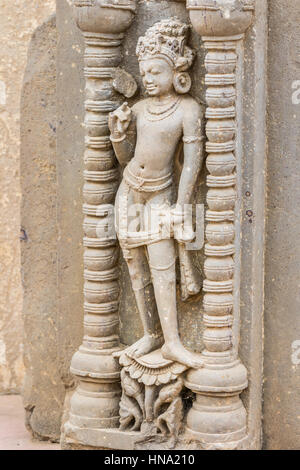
188 313
154 401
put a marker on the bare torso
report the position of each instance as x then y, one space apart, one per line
157 141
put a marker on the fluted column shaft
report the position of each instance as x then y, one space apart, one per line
220 63
218 417
95 403
101 289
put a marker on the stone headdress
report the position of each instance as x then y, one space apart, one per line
167 39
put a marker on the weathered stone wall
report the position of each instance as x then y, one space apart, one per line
282 294
43 388
17 23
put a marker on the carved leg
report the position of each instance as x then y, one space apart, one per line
164 282
145 300
150 395
148 427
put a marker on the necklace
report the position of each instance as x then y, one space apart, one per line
158 115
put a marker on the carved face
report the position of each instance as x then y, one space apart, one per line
157 76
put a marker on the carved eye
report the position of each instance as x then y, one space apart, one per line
155 71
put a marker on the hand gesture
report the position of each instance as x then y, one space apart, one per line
119 120
182 226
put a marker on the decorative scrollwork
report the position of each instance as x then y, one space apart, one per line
132 403
151 400
168 408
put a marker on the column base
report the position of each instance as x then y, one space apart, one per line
218 414
95 405
216 420
96 400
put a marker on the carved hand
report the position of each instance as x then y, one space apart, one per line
181 224
183 229
119 120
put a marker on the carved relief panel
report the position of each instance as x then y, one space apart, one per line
159 363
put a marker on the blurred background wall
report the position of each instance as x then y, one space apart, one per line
18 20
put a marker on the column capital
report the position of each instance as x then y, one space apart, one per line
104 16
221 17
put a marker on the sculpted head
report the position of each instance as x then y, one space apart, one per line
165 58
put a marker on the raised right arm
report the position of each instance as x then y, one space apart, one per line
122 124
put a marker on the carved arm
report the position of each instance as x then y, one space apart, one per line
122 125
193 152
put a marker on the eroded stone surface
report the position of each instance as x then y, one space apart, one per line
43 388
282 298
17 22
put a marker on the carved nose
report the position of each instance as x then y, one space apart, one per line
148 80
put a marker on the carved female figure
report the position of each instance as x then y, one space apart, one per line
146 140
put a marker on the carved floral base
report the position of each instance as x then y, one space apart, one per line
151 401
153 410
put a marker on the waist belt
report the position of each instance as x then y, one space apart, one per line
146 184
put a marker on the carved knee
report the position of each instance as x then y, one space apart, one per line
139 278
163 274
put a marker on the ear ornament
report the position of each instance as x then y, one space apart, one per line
182 82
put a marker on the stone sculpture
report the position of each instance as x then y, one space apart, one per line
150 140
146 139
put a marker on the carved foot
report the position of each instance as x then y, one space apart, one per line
177 353
145 345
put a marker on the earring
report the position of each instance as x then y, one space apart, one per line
182 82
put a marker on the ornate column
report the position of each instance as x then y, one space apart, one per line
95 403
218 415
